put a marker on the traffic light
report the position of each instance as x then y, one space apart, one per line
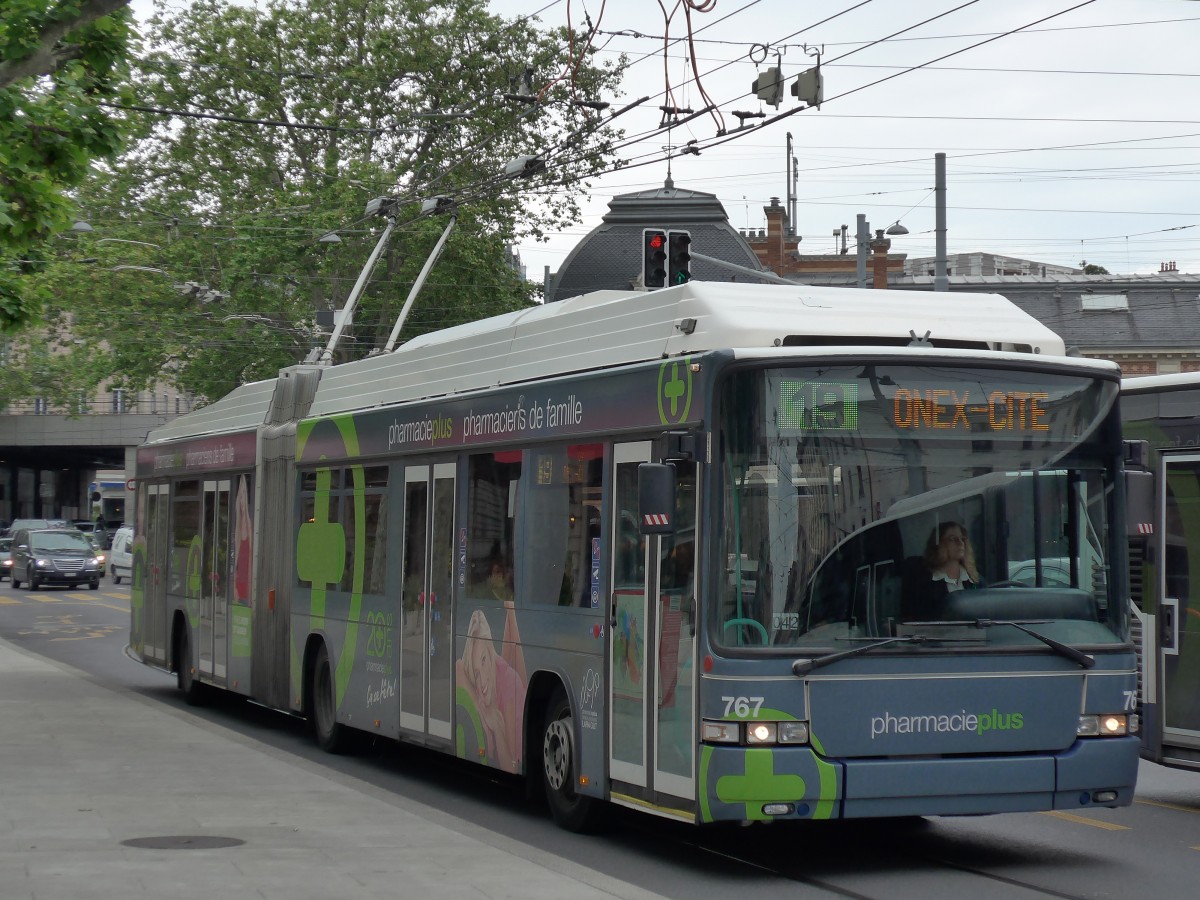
654 257
679 257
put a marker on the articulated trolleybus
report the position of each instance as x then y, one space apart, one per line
668 550
1162 419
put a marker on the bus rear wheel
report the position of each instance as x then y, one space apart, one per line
569 809
332 737
189 684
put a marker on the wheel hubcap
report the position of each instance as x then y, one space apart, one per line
556 753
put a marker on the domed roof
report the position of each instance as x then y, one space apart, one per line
610 256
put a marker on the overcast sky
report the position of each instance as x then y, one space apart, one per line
1073 139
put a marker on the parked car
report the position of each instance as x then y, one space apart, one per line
120 557
101 555
5 558
97 529
53 556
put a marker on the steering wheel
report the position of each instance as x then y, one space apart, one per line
1003 584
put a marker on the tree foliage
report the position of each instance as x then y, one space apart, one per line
276 125
61 63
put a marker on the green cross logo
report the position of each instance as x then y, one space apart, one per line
321 544
759 785
674 391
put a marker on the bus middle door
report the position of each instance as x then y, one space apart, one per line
427 641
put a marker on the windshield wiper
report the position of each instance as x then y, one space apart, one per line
1062 649
804 666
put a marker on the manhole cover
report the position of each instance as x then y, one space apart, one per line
183 842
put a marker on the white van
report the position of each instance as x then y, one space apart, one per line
120 557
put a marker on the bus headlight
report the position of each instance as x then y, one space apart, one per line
714 732
752 733
760 733
1105 725
793 732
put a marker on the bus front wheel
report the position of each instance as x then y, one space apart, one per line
332 737
569 809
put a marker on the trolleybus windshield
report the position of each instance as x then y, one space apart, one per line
839 483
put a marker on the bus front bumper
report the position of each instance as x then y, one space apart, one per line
769 783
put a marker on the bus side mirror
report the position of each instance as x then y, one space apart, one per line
656 498
1139 503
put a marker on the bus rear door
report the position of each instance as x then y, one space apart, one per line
151 576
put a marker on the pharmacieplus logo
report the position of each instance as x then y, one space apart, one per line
961 722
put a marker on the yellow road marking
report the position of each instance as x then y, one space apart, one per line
9 601
1084 820
1159 803
44 598
120 609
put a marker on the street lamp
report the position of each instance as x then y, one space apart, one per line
896 228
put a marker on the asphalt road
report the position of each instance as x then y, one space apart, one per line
1151 849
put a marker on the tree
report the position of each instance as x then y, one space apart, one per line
1093 269
280 122
62 63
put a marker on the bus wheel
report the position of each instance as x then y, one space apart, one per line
332 737
569 809
189 684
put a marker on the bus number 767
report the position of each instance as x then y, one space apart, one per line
742 707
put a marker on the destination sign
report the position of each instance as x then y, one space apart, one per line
830 406
951 410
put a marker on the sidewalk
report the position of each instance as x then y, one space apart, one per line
84 768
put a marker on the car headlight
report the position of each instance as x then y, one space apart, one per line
41 563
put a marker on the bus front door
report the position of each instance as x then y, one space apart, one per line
426 643
1179 615
652 728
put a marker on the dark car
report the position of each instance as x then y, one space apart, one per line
53 556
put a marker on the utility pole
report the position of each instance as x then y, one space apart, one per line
863 241
940 281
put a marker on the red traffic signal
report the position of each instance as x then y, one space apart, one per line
654 258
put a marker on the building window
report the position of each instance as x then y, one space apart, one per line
1102 302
